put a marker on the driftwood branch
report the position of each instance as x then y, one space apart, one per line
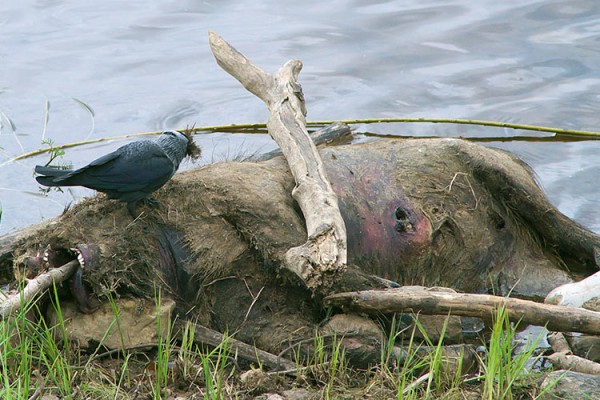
323 257
576 294
574 363
555 318
211 337
563 358
559 343
36 286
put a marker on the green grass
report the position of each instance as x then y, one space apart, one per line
408 369
503 371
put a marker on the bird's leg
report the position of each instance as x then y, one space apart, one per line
131 207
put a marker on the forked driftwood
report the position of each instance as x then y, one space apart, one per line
555 318
321 260
36 286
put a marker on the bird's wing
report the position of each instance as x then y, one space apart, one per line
72 177
123 171
105 159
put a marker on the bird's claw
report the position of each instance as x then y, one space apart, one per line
151 202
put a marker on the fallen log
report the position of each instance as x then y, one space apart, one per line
409 299
322 259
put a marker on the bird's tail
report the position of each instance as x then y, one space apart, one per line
48 176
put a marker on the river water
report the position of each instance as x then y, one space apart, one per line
146 66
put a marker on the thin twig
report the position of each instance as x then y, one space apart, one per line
459 121
248 352
40 385
468 182
254 299
414 385
219 280
122 350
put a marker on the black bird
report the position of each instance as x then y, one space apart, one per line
130 173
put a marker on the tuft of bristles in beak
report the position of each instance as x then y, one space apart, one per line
193 150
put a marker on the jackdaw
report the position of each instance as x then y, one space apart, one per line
130 173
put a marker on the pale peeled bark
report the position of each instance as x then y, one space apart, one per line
576 294
321 260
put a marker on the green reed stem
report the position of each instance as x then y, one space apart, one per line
217 128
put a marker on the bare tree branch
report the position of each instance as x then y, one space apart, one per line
36 286
409 299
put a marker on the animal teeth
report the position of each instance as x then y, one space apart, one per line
80 257
81 260
46 254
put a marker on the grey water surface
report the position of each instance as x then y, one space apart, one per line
146 66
